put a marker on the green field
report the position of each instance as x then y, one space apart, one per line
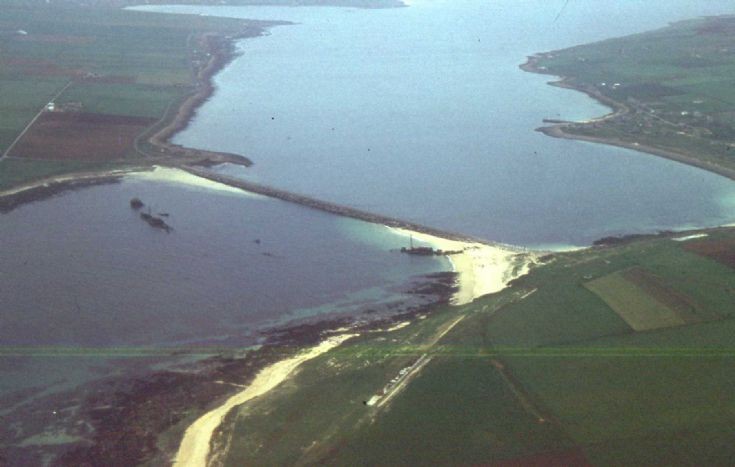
16 171
676 85
551 378
639 309
116 62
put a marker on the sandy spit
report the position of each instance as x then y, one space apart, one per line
194 448
482 269
181 177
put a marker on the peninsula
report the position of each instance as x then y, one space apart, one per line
670 91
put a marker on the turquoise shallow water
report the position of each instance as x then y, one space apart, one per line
422 113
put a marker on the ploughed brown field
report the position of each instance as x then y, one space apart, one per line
722 251
81 136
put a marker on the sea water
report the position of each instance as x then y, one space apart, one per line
86 283
422 113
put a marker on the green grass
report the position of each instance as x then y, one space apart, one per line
639 309
695 445
20 100
659 397
597 399
561 312
133 100
459 412
16 171
142 63
685 68
706 281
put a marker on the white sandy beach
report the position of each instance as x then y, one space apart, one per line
182 177
194 448
482 269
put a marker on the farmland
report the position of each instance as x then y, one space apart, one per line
81 136
111 75
642 301
672 91
544 372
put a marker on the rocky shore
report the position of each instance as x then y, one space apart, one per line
141 415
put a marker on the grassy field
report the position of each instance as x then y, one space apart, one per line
639 308
117 64
676 84
16 171
551 378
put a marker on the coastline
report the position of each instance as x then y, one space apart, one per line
47 187
194 448
481 268
176 118
143 417
221 52
557 130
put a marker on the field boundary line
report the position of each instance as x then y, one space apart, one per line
33 120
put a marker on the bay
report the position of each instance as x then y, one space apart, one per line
422 113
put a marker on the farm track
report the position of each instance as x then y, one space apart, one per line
33 120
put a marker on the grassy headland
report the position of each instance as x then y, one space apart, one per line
671 90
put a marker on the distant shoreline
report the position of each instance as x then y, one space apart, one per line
557 130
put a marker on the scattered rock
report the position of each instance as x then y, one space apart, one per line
136 203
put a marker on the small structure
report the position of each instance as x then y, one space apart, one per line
372 401
419 250
51 107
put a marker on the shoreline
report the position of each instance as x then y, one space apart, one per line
194 449
221 52
557 130
160 404
481 268
48 187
